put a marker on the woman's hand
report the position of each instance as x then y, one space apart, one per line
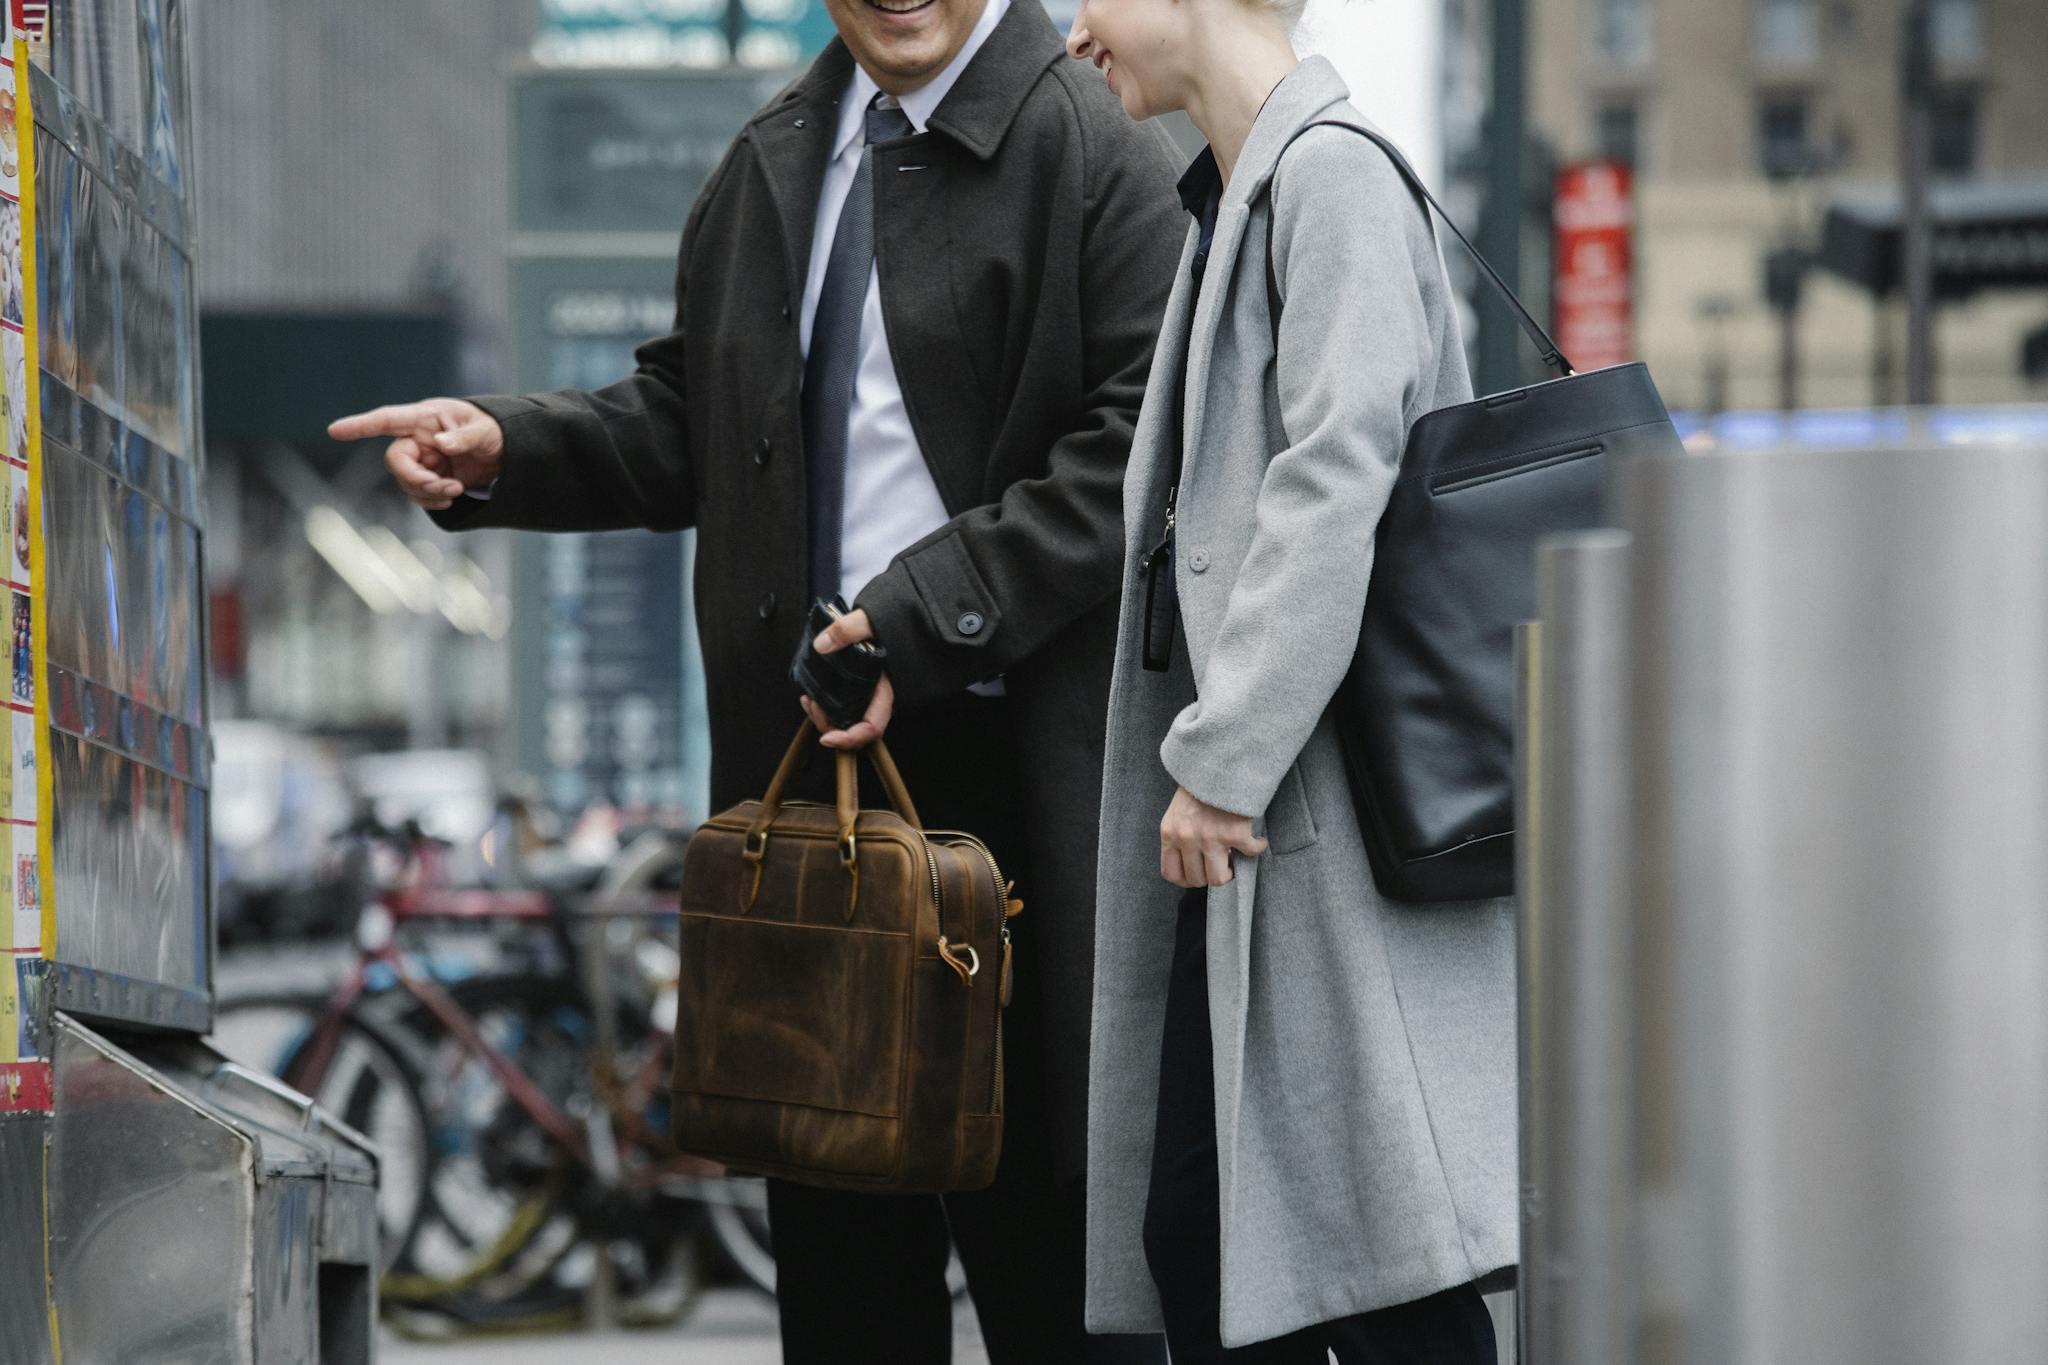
849 630
1196 841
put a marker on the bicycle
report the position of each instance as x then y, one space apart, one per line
524 1125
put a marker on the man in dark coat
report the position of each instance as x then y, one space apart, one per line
916 306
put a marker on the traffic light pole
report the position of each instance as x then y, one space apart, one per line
1916 218
1500 223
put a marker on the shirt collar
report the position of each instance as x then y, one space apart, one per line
1202 184
921 103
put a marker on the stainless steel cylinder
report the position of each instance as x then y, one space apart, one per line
1575 900
1839 828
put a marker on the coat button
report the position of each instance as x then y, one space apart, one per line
1198 560
767 608
763 448
970 623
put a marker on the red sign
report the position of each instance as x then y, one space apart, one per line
1593 297
24 1087
33 18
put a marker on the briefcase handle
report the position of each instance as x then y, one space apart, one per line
848 781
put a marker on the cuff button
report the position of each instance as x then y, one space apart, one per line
970 623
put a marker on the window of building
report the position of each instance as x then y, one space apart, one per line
1783 141
1958 31
1617 133
1788 32
1954 143
1622 31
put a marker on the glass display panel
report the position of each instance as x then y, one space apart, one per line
129 865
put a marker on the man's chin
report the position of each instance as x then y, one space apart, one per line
906 60
907 48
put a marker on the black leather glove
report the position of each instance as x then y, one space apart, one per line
842 684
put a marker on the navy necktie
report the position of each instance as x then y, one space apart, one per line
834 356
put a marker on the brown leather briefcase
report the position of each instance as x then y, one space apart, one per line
844 975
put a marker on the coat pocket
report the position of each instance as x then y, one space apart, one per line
1290 827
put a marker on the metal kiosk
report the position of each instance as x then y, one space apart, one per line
156 1201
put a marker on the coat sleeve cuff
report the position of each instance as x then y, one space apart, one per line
935 615
1234 781
473 510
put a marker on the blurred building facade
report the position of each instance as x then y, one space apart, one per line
354 156
1743 122
353 215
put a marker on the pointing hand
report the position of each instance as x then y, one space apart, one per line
443 446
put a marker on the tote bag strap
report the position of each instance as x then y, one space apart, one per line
1552 356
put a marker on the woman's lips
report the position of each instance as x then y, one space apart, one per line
1105 62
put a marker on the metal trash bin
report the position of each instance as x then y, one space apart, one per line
1835 998
201 1214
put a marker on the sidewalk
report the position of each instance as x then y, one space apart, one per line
731 1327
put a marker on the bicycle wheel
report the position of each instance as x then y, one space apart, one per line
738 1216
513 1222
370 1085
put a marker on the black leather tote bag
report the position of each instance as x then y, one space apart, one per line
1427 710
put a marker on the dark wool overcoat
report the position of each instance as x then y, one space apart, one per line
1026 242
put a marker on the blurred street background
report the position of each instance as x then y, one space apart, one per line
1804 214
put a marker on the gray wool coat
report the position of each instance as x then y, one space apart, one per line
1364 1050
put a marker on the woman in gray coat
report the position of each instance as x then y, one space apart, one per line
1302 1107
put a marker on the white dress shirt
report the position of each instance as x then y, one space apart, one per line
891 500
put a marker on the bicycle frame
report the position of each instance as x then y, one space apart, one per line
321 1047
423 899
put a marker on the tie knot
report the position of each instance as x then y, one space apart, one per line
886 125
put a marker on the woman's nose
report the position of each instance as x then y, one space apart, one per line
1079 43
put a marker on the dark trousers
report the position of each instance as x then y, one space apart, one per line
1183 1227
861 1278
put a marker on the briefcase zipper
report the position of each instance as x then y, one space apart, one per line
938 901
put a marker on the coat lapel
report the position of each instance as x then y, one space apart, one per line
794 138
978 111
1150 453
1216 278
1309 90
794 133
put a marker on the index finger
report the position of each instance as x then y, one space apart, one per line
399 419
